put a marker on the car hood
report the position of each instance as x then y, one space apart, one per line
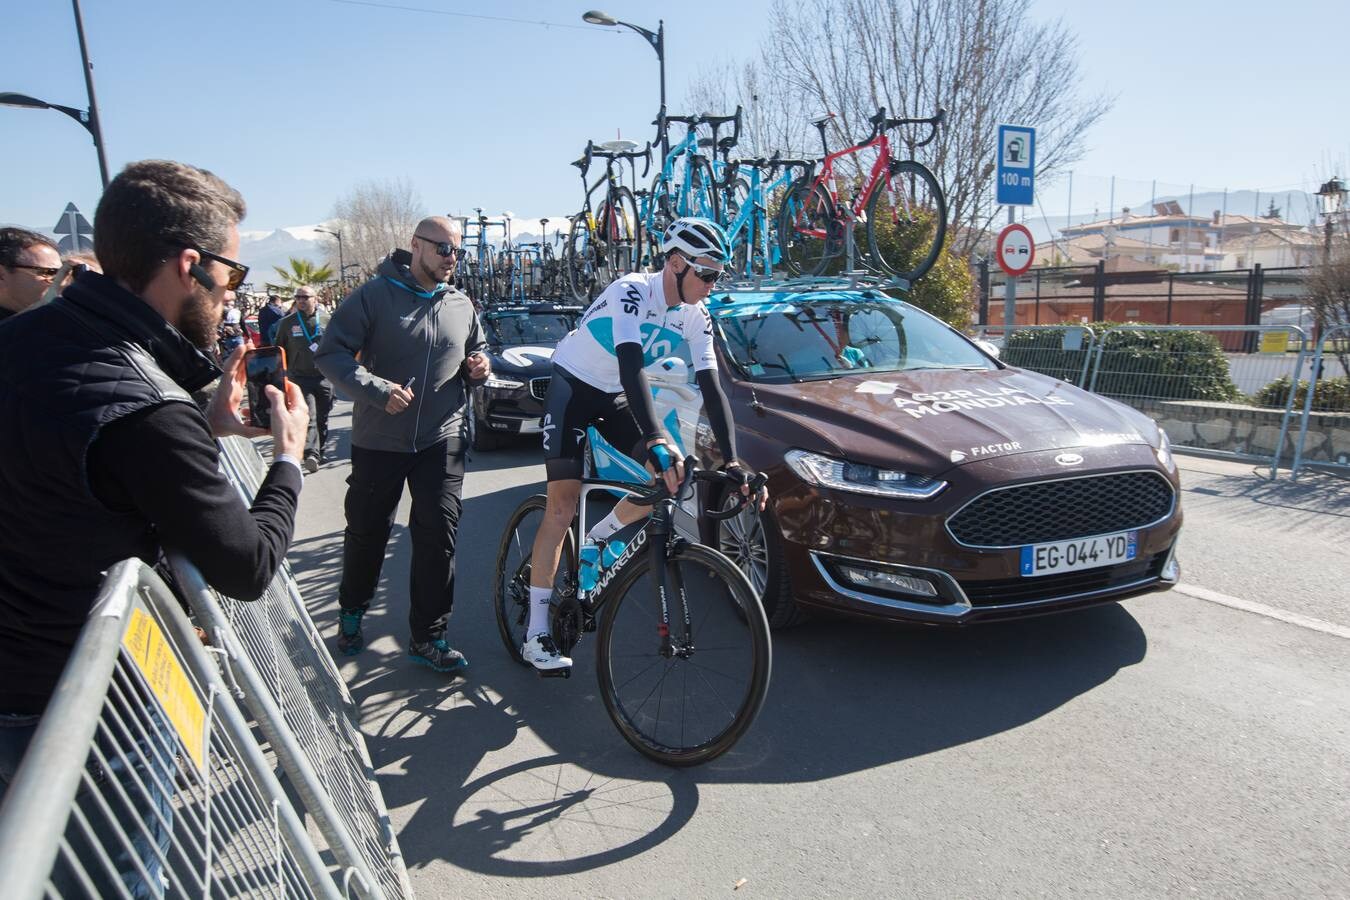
530 360
933 419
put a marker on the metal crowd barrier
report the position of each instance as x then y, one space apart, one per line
178 795
1331 411
1060 351
143 779
289 683
1230 393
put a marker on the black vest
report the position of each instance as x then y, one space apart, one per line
67 369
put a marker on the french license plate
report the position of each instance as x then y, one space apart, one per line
1087 553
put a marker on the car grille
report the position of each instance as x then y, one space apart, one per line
1068 584
539 387
1064 509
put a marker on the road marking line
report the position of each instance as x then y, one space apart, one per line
1199 593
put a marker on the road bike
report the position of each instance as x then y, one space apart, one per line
687 183
899 202
605 242
683 653
747 190
483 277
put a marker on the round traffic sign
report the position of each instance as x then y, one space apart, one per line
1015 249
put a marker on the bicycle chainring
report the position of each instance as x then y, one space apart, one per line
568 623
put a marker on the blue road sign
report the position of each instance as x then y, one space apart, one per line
1016 165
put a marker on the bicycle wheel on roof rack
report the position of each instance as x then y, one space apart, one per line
579 259
625 238
809 233
906 221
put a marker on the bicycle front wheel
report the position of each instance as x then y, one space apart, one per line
688 699
511 581
907 221
809 234
579 259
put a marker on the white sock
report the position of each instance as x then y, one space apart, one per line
539 598
605 527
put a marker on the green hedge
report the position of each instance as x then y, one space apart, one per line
1332 394
1138 364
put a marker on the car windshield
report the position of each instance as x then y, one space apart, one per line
512 328
800 339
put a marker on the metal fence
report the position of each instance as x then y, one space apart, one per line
1123 290
1324 429
1223 390
201 813
142 778
290 685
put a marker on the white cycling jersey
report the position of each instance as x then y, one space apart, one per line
633 310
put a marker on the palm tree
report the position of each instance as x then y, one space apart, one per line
303 272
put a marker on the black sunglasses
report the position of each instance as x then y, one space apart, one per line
42 271
443 248
705 274
238 271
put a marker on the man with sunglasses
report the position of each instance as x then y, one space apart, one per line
105 455
29 262
419 343
298 334
598 378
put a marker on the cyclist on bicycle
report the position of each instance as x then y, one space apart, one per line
598 378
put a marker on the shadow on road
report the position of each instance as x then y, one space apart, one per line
845 697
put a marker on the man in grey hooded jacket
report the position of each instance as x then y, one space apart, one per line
402 346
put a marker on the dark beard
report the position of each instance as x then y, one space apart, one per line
200 319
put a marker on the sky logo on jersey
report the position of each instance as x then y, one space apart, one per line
657 342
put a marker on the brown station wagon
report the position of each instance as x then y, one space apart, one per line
916 477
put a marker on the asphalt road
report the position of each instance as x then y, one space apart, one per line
1172 745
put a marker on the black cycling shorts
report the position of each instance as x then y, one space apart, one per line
570 406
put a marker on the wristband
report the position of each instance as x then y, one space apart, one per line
660 456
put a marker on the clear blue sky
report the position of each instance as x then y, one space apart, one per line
294 101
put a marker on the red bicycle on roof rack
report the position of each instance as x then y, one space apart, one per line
900 205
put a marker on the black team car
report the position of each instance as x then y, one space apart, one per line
521 340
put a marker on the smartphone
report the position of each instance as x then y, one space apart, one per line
264 366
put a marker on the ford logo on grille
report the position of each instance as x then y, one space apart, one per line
1068 459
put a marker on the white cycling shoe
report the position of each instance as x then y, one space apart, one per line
540 652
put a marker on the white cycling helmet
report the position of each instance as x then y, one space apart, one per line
695 236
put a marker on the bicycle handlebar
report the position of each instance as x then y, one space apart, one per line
645 154
651 494
880 122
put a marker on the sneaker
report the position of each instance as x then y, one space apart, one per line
437 655
311 463
540 652
350 639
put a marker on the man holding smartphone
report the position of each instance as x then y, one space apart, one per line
419 342
104 455
298 334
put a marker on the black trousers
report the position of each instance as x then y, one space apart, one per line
435 479
319 398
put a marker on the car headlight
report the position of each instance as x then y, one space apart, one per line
1164 451
496 381
861 478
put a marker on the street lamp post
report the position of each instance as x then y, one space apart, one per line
657 40
86 117
338 235
1332 197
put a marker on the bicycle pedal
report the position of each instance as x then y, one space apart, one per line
556 673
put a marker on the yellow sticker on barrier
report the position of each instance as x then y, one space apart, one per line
1274 341
146 646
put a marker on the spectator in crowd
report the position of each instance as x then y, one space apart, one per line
269 316
72 264
298 334
231 328
29 263
103 454
419 341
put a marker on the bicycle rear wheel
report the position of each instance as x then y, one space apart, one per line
511 583
626 238
907 221
693 705
579 259
809 234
